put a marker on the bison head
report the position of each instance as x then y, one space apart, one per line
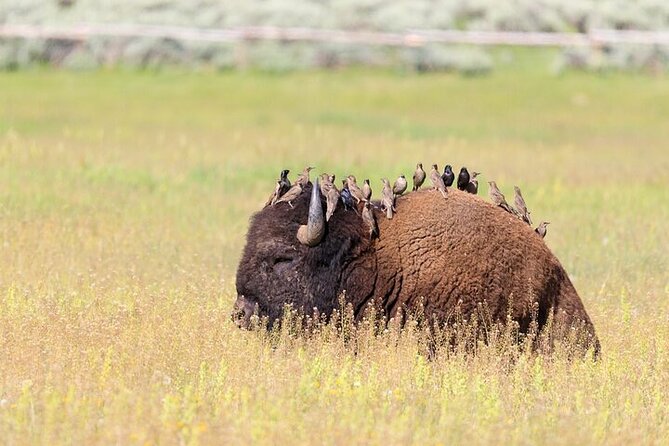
292 258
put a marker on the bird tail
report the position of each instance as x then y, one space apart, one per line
389 212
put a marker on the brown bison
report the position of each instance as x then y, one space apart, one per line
444 254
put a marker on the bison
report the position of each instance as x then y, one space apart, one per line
438 254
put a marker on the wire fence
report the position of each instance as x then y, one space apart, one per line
92 45
409 38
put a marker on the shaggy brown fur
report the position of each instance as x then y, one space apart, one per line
443 253
464 249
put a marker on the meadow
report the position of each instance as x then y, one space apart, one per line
124 200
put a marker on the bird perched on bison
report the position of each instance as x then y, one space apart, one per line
346 196
325 182
497 197
521 207
284 181
275 195
400 185
463 179
437 182
387 199
332 199
369 219
448 176
367 190
303 179
418 177
473 186
293 193
542 229
282 186
355 190
499 262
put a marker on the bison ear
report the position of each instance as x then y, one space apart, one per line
312 233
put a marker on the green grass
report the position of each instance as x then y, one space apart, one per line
124 200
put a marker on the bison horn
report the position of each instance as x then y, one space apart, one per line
312 233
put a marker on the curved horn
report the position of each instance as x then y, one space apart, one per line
312 233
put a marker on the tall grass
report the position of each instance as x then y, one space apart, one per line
124 199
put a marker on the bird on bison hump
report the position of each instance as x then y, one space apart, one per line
439 255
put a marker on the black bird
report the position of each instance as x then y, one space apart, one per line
282 186
463 179
284 182
473 186
448 176
346 196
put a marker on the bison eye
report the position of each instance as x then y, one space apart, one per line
281 264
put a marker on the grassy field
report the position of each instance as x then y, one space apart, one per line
124 199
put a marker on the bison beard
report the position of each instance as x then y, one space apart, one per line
445 255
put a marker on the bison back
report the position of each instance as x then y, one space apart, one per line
456 254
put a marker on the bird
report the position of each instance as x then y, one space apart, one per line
282 186
275 195
463 179
332 199
400 185
368 218
542 228
291 195
521 207
497 197
346 196
437 182
448 176
325 184
303 179
418 177
356 192
367 190
387 198
285 182
473 186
